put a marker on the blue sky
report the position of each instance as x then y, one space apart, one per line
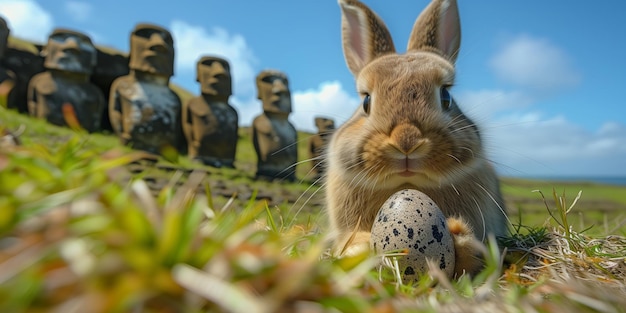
544 79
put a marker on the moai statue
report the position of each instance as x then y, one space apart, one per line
209 121
273 136
317 144
144 112
63 91
7 77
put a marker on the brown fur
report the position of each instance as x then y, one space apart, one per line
407 128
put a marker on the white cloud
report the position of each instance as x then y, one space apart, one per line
78 10
535 63
247 108
486 103
191 42
27 20
306 105
530 144
520 138
328 97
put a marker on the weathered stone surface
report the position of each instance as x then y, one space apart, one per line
210 123
273 136
273 91
64 88
152 50
25 61
21 64
109 66
144 111
25 64
318 143
7 77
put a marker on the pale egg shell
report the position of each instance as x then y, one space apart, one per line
411 220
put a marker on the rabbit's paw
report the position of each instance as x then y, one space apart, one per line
469 251
352 244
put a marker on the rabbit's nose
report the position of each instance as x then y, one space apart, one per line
408 139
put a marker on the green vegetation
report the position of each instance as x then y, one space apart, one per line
89 226
601 207
22 44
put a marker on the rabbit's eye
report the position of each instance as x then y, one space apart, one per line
446 99
366 103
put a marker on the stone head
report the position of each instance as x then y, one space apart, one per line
4 36
273 91
152 50
69 51
213 74
324 125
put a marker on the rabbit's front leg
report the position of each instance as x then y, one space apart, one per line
353 243
469 251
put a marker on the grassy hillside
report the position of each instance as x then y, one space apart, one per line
600 206
89 226
226 182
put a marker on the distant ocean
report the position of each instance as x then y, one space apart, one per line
611 180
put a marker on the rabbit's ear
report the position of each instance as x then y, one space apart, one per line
438 28
364 34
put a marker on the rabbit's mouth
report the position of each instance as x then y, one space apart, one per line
410 170
407 173
411 178
407 167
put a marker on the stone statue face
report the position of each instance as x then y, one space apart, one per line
214 76
70 51
324 125
4 36
152 50
273 90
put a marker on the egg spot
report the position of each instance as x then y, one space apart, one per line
424 234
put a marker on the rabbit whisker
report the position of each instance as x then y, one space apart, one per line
470 150
307 200
295 143
458 119
455 190
292 166
482 219
455 158
456 130
495 202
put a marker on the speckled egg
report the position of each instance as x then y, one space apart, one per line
411 220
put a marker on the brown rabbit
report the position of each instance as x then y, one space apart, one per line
409 133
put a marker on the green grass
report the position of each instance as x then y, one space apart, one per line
79 233
288 196
601 207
